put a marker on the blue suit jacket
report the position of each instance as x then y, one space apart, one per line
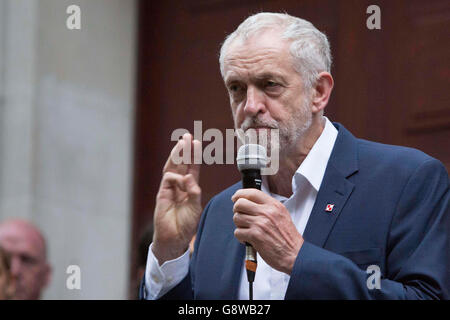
392 209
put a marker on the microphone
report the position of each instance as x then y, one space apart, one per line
251 158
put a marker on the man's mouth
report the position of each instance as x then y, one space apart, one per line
258 128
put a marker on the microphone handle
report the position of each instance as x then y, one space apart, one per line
251 178
250 261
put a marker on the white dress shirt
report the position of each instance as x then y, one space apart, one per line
269 284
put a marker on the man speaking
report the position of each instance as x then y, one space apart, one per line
339 210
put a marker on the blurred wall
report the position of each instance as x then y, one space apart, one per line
66 116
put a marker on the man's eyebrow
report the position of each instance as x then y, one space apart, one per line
269 75
261 76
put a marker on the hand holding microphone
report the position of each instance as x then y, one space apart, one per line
261 220
251 159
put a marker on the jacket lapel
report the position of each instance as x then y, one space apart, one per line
230 278
228 257
335 188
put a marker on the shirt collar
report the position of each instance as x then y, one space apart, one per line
313 167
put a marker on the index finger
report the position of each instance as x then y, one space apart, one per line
251 194
173 163
185 157
196 158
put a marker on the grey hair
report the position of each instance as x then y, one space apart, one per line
310 48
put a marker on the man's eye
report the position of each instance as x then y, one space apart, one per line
234 88
28 260
271 84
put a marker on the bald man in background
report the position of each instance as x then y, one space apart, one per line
27 250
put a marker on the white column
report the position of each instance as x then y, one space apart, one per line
17 88
66 127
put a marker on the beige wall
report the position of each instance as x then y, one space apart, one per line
66 117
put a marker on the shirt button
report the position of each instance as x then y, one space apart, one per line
155 278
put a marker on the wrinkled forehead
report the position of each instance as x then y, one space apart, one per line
269 37
262 53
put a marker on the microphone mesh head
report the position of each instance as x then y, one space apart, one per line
251 156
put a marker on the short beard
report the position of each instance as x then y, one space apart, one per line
289 134
295 128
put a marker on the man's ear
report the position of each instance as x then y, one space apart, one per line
321 92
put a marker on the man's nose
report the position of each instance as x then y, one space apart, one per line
255 102
16 266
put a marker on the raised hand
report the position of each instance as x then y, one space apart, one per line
178 203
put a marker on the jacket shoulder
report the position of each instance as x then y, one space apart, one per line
401 159
225 195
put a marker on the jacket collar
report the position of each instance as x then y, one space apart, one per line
335 188
344 156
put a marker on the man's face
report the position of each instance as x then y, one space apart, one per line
28 264
265 90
